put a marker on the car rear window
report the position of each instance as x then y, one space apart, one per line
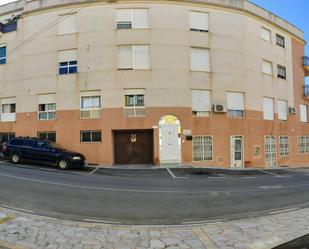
16 142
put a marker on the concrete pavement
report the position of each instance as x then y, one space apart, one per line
25 231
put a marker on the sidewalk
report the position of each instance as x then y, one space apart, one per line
25 231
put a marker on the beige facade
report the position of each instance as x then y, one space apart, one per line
236 49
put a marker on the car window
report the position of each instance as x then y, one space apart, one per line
29 143
16 142
42 145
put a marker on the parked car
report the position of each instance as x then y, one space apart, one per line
41 151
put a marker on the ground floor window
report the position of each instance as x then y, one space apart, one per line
202 148
303 145
47 135
6 136
284 146
90 136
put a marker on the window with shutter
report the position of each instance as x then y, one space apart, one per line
201 103
132 18
47 107
199 21
303 113
267 67
67 60
282 110
133 57
235 104
266 34
200 59
268 108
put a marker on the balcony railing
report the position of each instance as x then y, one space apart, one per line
306 90
306 65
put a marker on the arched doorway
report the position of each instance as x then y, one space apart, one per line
170 139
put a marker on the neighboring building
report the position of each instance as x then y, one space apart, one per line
204 82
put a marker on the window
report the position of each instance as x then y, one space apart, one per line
47 135
133 57
6 136
303 113
132 18
8 110
90 136
280 40
267 67
67 62
67 24
235 104
282 110
281 72
202 148
200 59
270 150
266 34
199 21
201 103
47 107
303 145
90 105
134 103
284 146
2 54
268 108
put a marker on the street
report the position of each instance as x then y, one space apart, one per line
152 196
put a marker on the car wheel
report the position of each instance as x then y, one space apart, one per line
15 158
63 164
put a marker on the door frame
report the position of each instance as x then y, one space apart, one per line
132 130
276 148
178 125
232 152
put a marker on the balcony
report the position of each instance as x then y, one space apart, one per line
306 65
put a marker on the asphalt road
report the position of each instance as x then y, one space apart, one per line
152 196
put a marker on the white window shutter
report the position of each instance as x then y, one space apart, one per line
124 15
200 59
201 101
141 58
303 113
140 19
268 108
282 110
8 101
199 21
235 101
125 57
267 67
47 98
266 34
67 55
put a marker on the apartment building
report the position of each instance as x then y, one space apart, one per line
207 83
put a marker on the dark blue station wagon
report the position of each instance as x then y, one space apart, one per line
41 151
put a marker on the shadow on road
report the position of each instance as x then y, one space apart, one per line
300 243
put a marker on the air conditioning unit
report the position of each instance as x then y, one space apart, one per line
219 108
292 110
